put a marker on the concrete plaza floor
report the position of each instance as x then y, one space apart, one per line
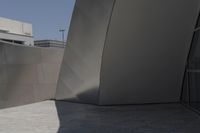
64 117
34 118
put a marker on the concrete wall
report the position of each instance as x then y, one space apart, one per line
118 52
133 54
28 74
28 41
16 30
16 27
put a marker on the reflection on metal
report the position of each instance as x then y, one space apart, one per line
191 91
127 51
118 52
27 74
79 77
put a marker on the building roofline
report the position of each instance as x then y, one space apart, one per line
16 34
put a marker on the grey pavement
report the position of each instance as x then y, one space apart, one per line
34 118
64 117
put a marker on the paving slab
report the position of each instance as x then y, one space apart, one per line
64 117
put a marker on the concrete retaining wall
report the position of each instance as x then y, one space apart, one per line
28 74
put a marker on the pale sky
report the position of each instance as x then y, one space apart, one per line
46 16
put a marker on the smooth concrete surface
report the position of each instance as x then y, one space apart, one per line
34 118
15 27
127 51
78 118
27 74
16 31
26 40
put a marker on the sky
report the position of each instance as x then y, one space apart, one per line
46 16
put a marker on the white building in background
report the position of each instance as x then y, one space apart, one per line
49 43
16 32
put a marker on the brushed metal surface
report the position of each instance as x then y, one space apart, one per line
80 72
27 74
146 51
146 45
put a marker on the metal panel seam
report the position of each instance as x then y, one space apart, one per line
108 27
187 59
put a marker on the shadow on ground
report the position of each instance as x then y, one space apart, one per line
163 118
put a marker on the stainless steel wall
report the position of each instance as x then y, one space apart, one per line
80 73
127 51
191 91
146 50
118 52
27 74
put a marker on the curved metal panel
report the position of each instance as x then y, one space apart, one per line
80 73
27 74
146 50
146 45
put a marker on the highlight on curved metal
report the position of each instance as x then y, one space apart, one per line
27 74
80 72
127 51
118 52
